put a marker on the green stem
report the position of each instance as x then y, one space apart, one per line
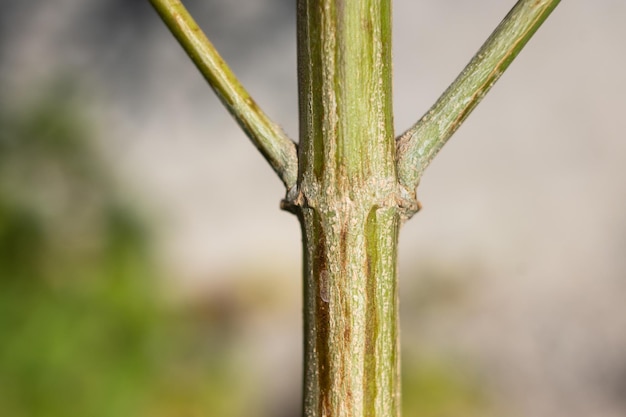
421 143
354 183
347 206
276 147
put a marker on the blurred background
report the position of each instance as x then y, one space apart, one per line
146 269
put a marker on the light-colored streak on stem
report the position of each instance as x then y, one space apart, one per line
418 146
276 147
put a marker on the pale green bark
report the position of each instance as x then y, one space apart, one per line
346 202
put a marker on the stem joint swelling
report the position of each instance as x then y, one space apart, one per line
406 202
293 201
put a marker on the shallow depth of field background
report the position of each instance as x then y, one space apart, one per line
146 269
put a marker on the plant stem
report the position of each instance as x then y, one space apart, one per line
346 203
351 183
276 147
421 143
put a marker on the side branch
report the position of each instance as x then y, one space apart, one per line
276 147
418 146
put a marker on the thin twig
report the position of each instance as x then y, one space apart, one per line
418 146
276 147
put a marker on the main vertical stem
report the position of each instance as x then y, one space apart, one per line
346 202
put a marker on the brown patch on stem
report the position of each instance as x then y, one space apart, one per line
322 320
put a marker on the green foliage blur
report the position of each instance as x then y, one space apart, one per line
435 388
83 331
